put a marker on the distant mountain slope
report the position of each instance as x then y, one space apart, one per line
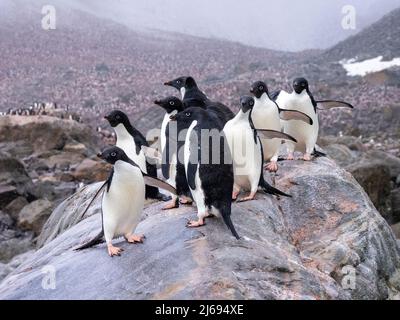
380 39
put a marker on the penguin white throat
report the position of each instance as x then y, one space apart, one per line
121 132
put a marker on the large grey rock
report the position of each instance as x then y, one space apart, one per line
34 215
298 248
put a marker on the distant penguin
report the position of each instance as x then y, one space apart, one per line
266 114
302 100
172 106
208 166
131 141
122 201
247 151
192 96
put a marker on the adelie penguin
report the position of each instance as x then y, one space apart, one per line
266 114
192 96
123 200
302 100
168 141
131 141
208 166
247 151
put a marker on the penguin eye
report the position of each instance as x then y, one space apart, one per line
251 103
117 117
178 81
261 87
113 154
171 103
303 84
188 114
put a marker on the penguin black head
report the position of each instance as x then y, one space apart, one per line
258 88
116 117
113 154
189 115
170 104
247 103
300 84
182 82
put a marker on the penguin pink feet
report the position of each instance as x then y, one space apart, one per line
134 238
272 166
251 196
290 156
185 200
174 203
235 194
114 251
195 224
307 157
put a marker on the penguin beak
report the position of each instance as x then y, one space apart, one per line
168 83
251 90
107 117
99 155
157 102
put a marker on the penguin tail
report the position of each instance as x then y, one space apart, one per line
267 188
227 219
96 240
317 153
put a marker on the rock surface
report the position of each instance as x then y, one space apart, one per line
299 248
34 215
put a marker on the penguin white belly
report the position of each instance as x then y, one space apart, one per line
163 138
123 203
266 116
305 134
197 193
172 171
128 145
246 154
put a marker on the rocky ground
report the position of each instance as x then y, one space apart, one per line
299 248
43 160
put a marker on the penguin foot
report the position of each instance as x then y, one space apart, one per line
251 196
195 224
307 157
290 156
114 251
133 238
272 166
235 195
185 200
174 203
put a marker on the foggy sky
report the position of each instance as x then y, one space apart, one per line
283 25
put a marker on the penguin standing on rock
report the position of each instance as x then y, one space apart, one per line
266 114
123 200
131 141
302 100
192 96
208 165
247 151
172 106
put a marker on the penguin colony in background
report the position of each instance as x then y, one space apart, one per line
208 154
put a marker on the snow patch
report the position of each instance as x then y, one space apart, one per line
362 68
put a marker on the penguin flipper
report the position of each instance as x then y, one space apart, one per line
329 104
96 240
152 154
286 114
106 183
267 188
155 182
271 134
